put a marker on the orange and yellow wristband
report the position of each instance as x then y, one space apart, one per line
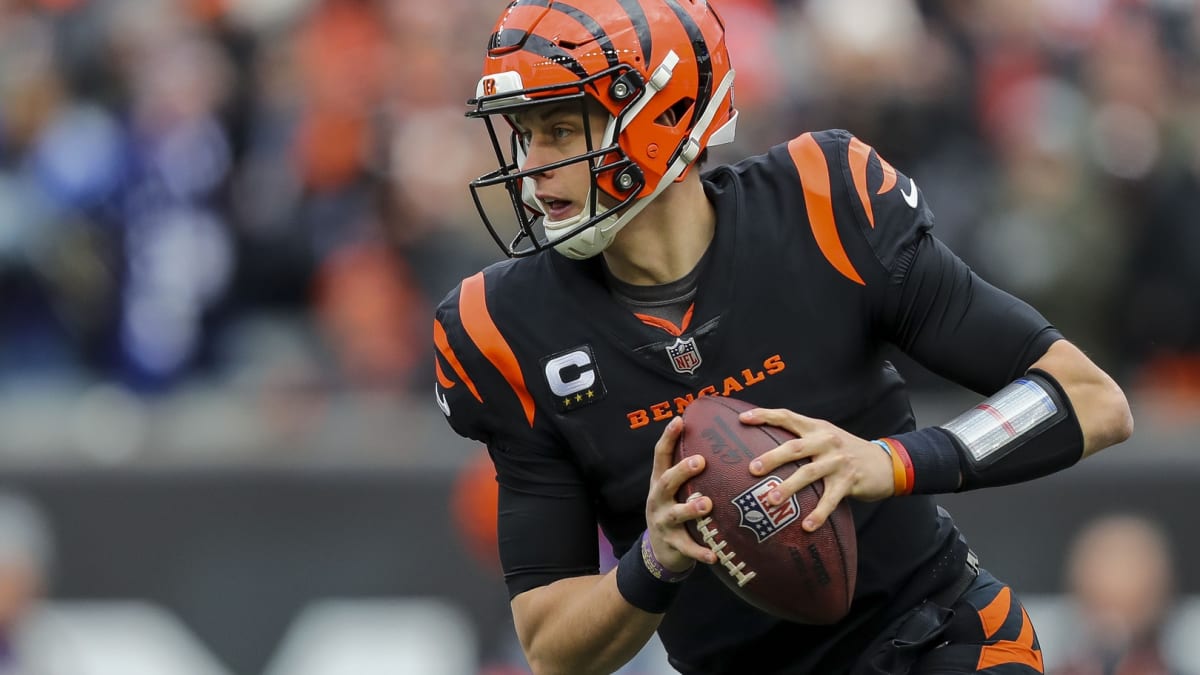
902 467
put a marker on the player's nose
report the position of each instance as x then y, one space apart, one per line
536 157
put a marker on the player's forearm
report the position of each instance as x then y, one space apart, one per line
580 625
1064 409
1099 403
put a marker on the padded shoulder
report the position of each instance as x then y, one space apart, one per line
864 214
480 385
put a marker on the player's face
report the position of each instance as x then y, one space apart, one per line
553 134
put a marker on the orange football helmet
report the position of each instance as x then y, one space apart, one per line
639 60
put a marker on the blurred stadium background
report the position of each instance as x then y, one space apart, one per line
224 223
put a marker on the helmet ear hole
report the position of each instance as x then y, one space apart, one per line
678 113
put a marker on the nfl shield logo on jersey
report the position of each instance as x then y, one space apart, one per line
685 358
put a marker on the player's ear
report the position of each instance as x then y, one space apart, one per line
670 118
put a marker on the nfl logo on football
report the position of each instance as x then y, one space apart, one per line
760 517
685 358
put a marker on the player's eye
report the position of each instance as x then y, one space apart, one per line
561 133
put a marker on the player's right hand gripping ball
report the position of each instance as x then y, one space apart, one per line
763 554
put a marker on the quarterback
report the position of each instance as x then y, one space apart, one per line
638 283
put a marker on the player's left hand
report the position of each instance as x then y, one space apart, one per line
850 466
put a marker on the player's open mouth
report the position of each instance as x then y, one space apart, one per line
559 209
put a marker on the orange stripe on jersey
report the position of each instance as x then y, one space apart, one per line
687 317
860 155
994 615
889 176
443 345
472 307
671 328
1006 651
1009 651
1026 636
1020 651
441 377
814 177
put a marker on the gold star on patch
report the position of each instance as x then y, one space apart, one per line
578 397
567 401
591 394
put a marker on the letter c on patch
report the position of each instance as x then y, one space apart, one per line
569 373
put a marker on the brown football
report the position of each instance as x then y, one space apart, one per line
763 554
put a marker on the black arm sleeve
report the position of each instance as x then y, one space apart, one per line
546 523
958 325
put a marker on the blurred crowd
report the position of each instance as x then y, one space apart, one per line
271 193
174 174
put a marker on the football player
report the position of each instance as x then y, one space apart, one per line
638 284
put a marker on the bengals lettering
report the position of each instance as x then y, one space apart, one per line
665 410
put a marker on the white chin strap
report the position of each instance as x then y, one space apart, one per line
598 237
589 242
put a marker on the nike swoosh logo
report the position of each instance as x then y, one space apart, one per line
441 400
910 198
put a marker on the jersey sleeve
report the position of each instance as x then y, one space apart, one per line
864 214
541 489
456 391
960 326
873 225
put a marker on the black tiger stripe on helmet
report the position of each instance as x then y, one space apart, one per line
659 69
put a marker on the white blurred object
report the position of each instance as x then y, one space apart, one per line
1180 638
1071 21
114 637
1124 141
109 424
1056 620
867 27
415 636
25 536
267 15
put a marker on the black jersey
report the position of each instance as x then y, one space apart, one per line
821 258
